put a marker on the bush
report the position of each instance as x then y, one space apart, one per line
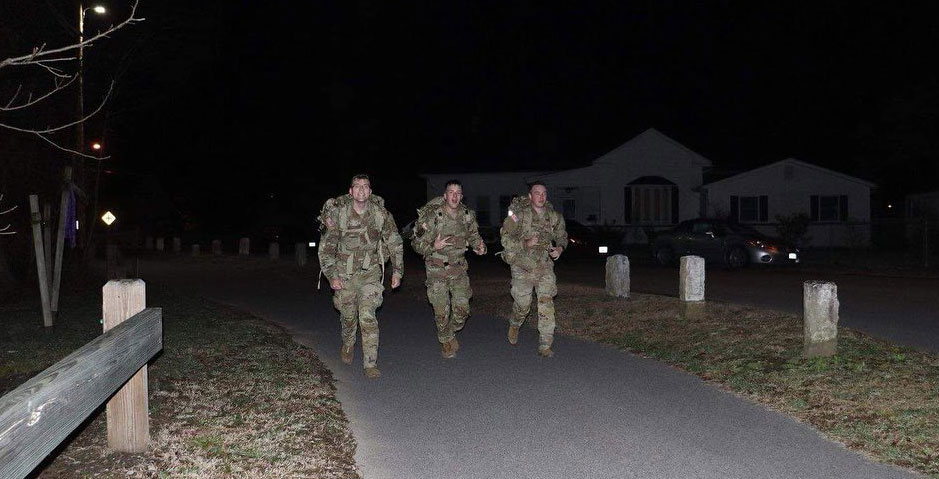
793 228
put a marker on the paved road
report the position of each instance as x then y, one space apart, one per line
502 412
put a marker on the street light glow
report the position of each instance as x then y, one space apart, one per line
96 146
100 9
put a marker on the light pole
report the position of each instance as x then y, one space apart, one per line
78 163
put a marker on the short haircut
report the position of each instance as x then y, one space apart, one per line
360 176
536 183
452 182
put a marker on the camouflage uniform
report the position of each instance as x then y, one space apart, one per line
355 248
448 286
532 268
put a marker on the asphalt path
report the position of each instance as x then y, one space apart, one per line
498 411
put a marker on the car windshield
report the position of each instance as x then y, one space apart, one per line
744 230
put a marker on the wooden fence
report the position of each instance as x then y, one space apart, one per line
37 416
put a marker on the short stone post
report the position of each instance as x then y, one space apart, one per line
195 250
159 244
128 410
216 247
691 287
299 251
148 243
244 246
273 251
820 311
177 244
617 276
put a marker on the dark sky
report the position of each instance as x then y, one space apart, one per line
231 100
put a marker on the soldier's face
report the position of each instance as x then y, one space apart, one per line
360 190
538 196
453 196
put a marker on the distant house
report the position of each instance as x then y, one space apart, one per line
651 181
837 204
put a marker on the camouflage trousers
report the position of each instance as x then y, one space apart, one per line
449 292
357 303
544 284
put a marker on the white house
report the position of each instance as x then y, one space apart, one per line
837 204
651 181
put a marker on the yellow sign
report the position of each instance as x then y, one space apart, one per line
108 218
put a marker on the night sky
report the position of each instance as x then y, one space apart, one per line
229 102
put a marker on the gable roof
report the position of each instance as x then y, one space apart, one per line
653 135
795 162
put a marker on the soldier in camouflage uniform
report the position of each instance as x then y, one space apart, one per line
359 236
444 229
533 235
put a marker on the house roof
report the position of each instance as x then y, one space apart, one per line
792 161
654 135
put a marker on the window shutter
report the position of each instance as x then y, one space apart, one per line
674 205
764 208
843 205
814 207
734 209
628 204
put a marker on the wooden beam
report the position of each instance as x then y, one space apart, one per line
60 237
36 219
41 413
128 411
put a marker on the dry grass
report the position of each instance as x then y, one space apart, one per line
876 398
230 396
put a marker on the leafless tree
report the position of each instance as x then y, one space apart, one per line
5 229
52 63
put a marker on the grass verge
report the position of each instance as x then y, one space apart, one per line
230 395
874 397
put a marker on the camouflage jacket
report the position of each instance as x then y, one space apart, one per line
522 223
358 244
432 219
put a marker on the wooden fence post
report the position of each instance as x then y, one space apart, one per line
40 260
128 410
60 237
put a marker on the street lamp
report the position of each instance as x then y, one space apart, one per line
100 10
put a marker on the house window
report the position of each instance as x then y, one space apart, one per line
829 208
482 210
651 204
568 207
749 209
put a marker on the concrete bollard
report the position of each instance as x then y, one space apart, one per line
148 243
617 276
691 279
299 251
195 250
216 247
159 244
820 311
273 251
177 244
244 246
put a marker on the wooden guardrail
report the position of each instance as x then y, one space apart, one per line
41 413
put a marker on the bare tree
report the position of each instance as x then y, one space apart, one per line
52 65
5 229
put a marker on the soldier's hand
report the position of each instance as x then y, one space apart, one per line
531 242
395 281
336 284
480 249
440 243
555 252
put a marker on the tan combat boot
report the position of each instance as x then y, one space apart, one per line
513 335
346 353
544 347
454 345
446 350
372 373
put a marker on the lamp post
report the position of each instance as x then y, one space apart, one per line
78 164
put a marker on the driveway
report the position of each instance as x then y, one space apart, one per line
502 412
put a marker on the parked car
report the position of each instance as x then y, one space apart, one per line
718 241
